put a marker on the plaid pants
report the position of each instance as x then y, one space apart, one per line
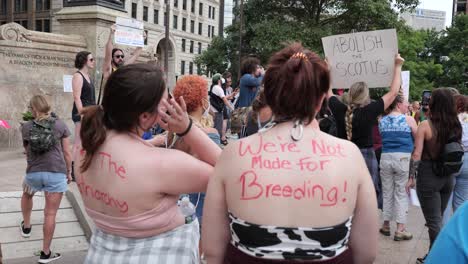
176 246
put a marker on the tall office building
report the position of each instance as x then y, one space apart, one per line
425 19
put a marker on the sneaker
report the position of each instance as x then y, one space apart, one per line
403 235
25 232
421 260
48 258
385 230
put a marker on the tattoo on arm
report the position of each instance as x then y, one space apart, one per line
414 165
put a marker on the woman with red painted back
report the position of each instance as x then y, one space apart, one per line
291 193
129 187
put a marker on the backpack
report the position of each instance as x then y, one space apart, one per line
450 160
41 136
215 101
239 119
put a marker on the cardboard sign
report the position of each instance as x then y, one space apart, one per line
67 83
129 32
362 57
405 82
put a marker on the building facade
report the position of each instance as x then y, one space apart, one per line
425 19
460 7
35 15
192 25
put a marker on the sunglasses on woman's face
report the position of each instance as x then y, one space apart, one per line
119 56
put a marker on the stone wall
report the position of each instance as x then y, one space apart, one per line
33 63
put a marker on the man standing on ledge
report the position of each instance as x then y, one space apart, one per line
114 57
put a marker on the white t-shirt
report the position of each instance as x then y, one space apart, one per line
217 90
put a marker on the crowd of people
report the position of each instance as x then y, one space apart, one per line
303 182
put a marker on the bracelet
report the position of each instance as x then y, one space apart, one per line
187 130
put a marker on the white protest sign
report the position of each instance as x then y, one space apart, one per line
67 83
129 32
362 57
405 81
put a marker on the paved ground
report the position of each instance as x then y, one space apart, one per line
12 167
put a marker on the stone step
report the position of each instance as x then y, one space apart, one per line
29 248
68 236
12 234
10 204
71 257
37 217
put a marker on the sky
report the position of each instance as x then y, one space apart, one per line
441 5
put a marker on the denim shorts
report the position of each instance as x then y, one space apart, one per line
46 182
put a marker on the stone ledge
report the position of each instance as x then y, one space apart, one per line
74 196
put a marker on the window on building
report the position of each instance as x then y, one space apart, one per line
200 9
176 3
145 13
209 11
46 5
156 16
174 22
199 47
184 4
192 26
123 3
209 31
212 32
184 24
21 6
200 28
199 69
183 45
3 8
213 13
190 69
192 7
38 25
182 67
192 43
146 39
134 10
38 5
165 19
46 25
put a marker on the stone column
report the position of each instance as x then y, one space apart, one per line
9 7
32 14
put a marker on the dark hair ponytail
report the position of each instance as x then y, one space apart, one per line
92 133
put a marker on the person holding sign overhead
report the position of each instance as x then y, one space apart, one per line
291 193
356 119
114 57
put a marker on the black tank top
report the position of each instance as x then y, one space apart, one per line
87 97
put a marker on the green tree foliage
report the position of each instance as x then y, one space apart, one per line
416 48
452 52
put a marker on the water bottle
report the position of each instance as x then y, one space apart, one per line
187 209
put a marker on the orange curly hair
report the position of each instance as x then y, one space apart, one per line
194 89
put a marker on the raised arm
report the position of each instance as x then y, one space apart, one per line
390 96
136 53
177 121
77 83
251 80
107 64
